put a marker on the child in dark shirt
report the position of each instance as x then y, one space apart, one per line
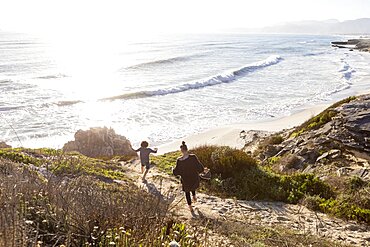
144 157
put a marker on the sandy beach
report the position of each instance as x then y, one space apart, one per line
230 135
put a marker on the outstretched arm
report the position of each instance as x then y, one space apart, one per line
136 150
154 150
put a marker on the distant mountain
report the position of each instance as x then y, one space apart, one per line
332 26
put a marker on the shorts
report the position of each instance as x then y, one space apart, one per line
147 165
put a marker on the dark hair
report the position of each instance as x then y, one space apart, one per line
183 146
144 144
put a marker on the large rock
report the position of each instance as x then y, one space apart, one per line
352 125
99 142
4 145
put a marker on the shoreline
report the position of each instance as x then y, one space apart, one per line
228 135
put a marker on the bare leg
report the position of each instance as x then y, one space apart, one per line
146 172
188 200
194 196
142 169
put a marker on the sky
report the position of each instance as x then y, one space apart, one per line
64 17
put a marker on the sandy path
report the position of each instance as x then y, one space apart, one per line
294 217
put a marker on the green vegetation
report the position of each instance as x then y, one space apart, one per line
225 161
166 161
321 119
77 165
273 160
81 205
237 174
274 139
19 155
344 209
341 207
64 164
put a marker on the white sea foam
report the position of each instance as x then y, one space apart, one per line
346 71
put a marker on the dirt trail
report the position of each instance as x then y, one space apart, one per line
294 217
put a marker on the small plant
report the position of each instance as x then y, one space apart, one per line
356 183
312 202
275 139
273 160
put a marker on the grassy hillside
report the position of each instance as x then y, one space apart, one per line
50 198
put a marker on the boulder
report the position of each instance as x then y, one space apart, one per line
332 154
4 145
272 150
99 142
291 161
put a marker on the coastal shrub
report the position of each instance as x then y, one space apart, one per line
298 185
17 155
258 184
345 209
275 139
223 161
342 207
235 173
264 185
356 183
204 154
228 161
312 202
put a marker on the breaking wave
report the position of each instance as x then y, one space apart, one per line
226 77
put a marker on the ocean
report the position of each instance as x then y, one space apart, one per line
164 88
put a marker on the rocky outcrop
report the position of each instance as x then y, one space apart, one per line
358 44
4 145
99 142
351 126
340 145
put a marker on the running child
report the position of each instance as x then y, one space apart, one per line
145 151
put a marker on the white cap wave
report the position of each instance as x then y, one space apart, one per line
226 77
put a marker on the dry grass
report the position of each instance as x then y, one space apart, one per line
78 211
242 234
